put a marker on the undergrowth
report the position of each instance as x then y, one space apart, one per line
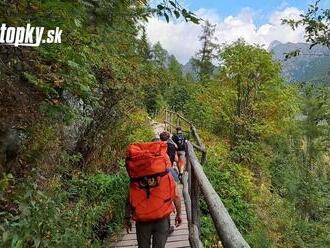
77 212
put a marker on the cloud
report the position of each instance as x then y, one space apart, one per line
181 38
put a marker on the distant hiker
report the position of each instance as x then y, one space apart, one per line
180 141
172 153
153 195
171 146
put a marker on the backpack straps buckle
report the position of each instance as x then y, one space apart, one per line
148 182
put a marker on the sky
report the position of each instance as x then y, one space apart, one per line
257 22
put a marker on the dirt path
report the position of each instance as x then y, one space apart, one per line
157 127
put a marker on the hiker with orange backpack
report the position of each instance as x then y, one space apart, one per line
152 193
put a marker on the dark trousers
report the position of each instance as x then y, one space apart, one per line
157 230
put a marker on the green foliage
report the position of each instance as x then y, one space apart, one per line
261 103
264 175
234 183
43 141
175 68
268 142
5 181
153 99
46 89
178 96
169 8
58 112
69 218
314 123
204 59
203 105
138 129
160 56
316 22
208 234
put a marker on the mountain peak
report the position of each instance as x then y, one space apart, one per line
312 65
273 44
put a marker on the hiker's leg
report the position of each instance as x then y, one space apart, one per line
182 161
160 233
143 234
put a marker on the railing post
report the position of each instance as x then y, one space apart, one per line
170 122
225 226
194 232
188 168
166 119
203 159
195 195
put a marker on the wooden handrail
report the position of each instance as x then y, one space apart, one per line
197 147
195 182
225 226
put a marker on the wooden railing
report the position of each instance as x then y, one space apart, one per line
195 183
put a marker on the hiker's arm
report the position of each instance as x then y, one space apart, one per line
177 203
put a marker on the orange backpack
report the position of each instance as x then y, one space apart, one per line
152 188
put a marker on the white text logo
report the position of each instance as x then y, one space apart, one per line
28 36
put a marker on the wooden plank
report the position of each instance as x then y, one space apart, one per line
125 243
178 244
129 236
184 225
172 238
184 222
132 236
134 246
225 226
133 242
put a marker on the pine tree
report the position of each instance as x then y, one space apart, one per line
160 55
202 63
175 67
144 46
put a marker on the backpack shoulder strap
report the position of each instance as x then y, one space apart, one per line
170 141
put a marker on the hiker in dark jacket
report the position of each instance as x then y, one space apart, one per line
171 146
180 141
171 151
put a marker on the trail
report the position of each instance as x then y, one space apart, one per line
180 237
157 127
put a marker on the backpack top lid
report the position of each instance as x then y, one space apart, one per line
145 159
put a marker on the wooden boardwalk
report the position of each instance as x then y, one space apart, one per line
178 239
